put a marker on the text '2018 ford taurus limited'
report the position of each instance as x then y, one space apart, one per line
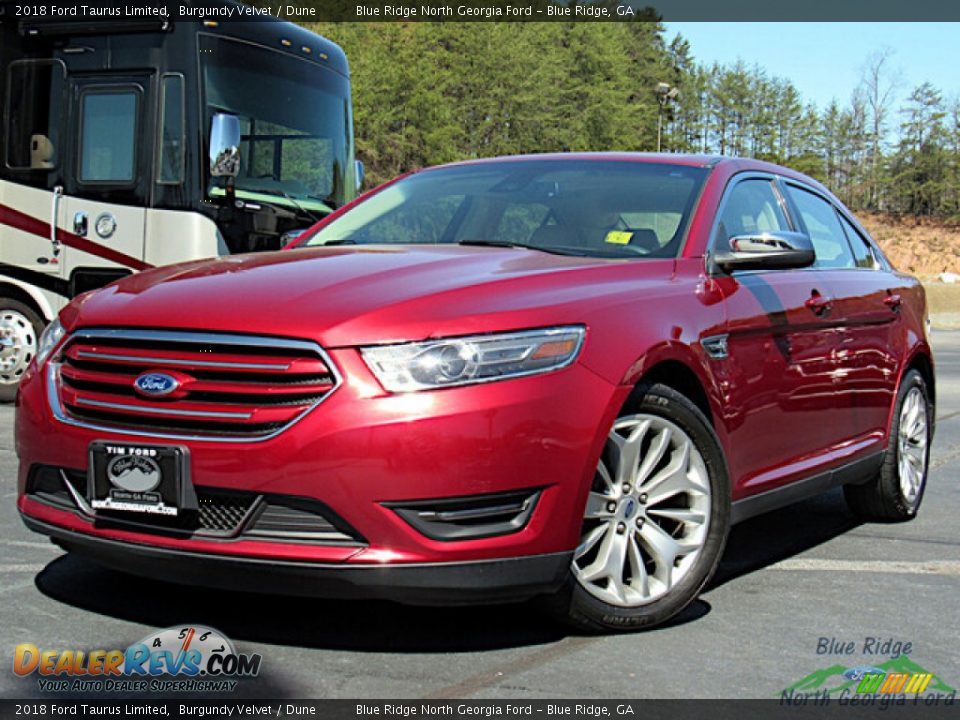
559 375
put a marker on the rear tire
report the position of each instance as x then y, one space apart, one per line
895 494
656 519
20 329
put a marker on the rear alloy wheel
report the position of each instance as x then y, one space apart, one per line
19 331
895 494
655 520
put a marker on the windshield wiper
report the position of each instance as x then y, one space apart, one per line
342 241
523 246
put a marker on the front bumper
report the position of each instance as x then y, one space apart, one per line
450 583
363 453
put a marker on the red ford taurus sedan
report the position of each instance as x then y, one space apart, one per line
561 375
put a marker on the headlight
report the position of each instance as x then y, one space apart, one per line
477 359
49 338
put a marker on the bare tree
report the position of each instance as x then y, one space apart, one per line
878 83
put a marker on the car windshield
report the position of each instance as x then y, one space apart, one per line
294 122
596 208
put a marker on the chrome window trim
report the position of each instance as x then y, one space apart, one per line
59 413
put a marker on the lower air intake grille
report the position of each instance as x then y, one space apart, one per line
220 513
299 519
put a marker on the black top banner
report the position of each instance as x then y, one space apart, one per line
214 11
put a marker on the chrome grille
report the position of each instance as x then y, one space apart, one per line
227 386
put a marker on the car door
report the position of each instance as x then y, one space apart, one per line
35 156
871 304
868 299
105 195
782 336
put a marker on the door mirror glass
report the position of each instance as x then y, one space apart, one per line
768 250
225 145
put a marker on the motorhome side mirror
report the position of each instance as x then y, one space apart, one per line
225 145
771 250
361 171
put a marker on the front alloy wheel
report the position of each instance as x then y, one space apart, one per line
647 515
655 519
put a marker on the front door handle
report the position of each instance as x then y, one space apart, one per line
893 301
819 304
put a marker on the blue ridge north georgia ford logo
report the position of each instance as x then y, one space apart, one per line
156 384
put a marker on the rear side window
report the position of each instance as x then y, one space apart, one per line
752 207
862 252
108 136
823 225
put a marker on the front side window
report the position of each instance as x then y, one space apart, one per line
752 207
108 136
823 225
594 208
33 103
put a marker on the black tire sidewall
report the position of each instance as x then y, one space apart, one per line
591 613
9 392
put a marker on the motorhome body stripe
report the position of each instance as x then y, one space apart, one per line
28 224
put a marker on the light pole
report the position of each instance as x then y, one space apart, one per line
665 94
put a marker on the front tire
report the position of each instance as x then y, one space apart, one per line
656 518
895 494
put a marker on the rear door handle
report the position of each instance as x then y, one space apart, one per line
893 301
819 304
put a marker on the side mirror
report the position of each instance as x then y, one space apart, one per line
774 250
360 172
225 145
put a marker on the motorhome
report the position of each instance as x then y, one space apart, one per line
134 143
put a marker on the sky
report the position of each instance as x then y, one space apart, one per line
825 60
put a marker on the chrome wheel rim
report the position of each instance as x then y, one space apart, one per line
912 442
647 515
18 345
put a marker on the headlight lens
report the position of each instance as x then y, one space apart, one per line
467 360
49 338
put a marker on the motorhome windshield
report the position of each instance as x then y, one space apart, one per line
294 122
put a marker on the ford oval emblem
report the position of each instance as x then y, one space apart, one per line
156 384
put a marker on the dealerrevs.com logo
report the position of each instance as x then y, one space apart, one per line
186 658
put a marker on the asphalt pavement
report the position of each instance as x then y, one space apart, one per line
788 581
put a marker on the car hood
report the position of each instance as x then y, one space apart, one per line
363 295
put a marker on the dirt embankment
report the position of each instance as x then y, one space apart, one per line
926 248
